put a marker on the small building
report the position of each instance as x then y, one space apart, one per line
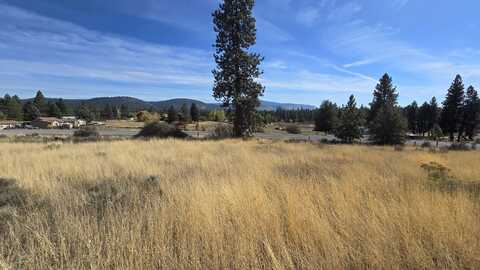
46 122
76 123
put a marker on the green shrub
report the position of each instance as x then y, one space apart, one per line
293 129
161 130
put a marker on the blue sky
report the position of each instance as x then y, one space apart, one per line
314 49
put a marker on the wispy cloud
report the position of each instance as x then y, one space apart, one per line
360 63
37 48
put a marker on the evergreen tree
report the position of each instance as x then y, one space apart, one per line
3 104
423 123
194 113
388 125
53 110
62 106
236 84
2 116
348 129
84 112
172 115
471 113
383 95
108 112
40 103
411 113
14 108
434 114
452 113
327 117
124 112
185 113
30 111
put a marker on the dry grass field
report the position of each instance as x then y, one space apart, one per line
172 204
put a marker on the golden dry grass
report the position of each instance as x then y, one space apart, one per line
236 205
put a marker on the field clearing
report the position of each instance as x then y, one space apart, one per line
171 204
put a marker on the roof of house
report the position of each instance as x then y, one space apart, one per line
47 119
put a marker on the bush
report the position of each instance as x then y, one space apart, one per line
293 129
87 132
222 131
161 130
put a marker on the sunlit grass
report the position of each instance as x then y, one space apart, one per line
235 205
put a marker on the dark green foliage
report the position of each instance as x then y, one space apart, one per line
326 117
14 108
412 113
293 129
185 113
30 111
222 131
237 70
87 132
452 113
471 116
384 95
53 110
108 112
63 107
2 116
194 113
124 112
348 129
161 130
423 123
433 114
84 112
172 115
40 103
387 125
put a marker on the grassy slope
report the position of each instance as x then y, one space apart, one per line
235 205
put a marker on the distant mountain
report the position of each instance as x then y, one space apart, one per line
178 102
272 106
135 104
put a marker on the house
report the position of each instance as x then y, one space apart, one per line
76 123
46 122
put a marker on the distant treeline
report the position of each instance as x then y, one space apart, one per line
458 114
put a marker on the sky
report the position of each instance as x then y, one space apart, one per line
161 49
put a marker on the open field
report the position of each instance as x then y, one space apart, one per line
234 205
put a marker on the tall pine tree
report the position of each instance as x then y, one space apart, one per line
383 95
40 103
471 114
433 114
236 84
452 113
348 128
326 117
194 113
388 125
30 111
411 112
